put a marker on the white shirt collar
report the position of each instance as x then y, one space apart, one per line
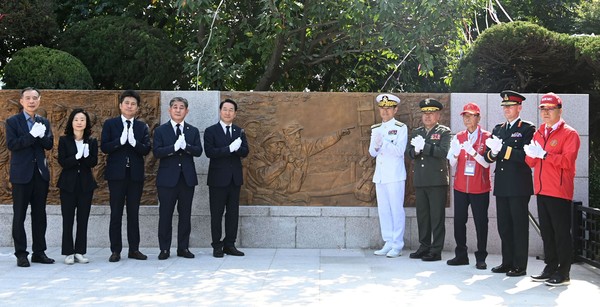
123 119
173 123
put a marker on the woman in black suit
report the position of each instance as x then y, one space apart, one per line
77 154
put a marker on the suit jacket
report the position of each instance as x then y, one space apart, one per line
73 169
512 174
431 167
117 154
27 152
224 166
172 162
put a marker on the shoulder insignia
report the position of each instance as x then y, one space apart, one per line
399 124
375 126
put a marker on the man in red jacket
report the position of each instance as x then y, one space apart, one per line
552 154
471 186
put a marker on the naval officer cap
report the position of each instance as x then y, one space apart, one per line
430 105
387 100
511 98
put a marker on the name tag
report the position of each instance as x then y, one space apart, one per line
470 168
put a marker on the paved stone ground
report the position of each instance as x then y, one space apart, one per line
277 277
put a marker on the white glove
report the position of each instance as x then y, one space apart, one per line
181 141
130 137
79 153
235 145
124 136
86 150
455 147
494 143
468 147
535 150
418 142
37 130
43 130
377 140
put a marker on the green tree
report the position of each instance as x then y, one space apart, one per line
46 68
122 52
25 23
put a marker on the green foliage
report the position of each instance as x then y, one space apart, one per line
46 68
523 57
122 52
588 17
25 23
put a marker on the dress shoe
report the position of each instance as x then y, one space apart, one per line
418 254
231 250
70 259
137 255
458 261
185 253
558 280
481 265
503 268
114 257
384 250
394 253
164 255
23 262
431 257
218 252
542 277
79 258
41 258
516 272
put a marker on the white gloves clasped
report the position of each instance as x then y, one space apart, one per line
468 147
180 143
455 147
494 143
418 142
127 136
83 152
235 145
37 130
377 140
534 150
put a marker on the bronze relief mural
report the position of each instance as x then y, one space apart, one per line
56 106
311 149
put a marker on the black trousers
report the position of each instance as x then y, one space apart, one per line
124 192
479 208
513 227
75 204
34 193
224 200
182 195
555 226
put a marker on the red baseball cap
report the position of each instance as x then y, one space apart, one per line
550 100
471 108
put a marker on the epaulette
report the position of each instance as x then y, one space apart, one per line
375 126
399 124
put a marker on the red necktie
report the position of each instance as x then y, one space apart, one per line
548 130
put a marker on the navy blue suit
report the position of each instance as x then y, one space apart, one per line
77 184
30 177
175 181
224 181
125 175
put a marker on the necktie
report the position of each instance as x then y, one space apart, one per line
228 133
178 132
128 124
548 130
30 123
508 126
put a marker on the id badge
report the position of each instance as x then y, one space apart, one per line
470 168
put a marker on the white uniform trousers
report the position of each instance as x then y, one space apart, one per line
390 205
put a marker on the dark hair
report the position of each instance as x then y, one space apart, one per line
29 88
185 102
87 131
130 93
230 101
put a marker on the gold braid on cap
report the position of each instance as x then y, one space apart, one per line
429 109
385 102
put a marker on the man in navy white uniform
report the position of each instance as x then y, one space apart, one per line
388 143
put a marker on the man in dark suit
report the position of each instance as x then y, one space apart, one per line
428 147
125 141
225 144
27 136
513 184
176 143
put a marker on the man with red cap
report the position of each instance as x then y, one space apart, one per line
552 154
471 186
512 184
